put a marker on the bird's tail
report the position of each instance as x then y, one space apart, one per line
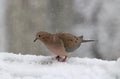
84 41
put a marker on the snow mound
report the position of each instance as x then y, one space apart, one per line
17 66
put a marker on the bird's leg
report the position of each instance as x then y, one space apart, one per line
58 58
64 59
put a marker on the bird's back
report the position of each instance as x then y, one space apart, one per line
70 41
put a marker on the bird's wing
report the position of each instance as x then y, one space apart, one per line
56 46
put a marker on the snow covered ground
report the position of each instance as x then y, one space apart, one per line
17 66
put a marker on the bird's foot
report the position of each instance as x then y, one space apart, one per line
58 58
64 59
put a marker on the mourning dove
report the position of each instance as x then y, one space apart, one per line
60 43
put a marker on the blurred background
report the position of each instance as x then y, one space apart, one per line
20 20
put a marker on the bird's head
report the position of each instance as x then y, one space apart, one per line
41 35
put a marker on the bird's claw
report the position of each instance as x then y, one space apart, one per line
59 59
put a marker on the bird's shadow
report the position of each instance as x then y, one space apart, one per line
47 61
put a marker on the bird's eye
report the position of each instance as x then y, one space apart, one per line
39 35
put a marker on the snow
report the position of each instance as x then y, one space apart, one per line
17 66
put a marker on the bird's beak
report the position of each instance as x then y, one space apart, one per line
35 40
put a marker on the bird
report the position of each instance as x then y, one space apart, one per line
60 43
